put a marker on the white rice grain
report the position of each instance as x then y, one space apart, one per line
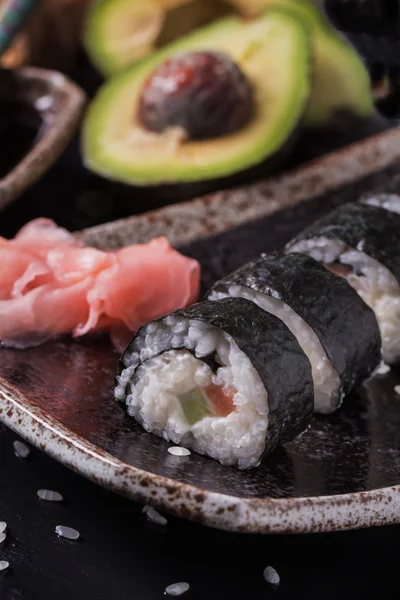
21 449
50 495
3 526
381 370
179 451
154 517
271 576
67 532
2 537
397 389
4 564
177 589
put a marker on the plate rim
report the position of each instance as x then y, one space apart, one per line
214 213
314 514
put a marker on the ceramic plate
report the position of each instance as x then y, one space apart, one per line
39 113
343 473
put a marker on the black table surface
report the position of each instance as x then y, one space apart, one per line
120 554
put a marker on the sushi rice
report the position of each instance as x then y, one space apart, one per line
390 202
161 377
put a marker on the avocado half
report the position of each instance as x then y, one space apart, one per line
118 33
341 83
272 51
121 32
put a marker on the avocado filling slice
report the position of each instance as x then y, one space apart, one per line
210 401
272 52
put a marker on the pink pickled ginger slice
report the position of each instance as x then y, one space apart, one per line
42 314
51 284
148 281
41 235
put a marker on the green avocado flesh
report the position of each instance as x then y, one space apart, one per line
120 32
195 406
340 79
273 53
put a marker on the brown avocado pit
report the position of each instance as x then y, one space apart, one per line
204 93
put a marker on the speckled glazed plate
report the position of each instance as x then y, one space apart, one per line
343 473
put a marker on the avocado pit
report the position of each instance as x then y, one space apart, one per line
204 93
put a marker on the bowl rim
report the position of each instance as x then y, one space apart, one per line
56 135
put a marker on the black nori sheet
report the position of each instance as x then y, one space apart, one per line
374 231
275 354
328 304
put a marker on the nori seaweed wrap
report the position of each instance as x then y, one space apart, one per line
311 300
361 243
258 395
368 229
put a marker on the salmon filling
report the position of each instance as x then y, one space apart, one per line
212 400
339 269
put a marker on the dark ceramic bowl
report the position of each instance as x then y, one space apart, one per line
39 113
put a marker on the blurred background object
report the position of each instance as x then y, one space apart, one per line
373 27
51 37
55 32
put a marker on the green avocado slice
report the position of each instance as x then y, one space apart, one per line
120 32
340 79
272 51
195 406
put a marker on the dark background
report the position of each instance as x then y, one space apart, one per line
121 555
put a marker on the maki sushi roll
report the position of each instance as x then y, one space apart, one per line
361 243
224 378
320 310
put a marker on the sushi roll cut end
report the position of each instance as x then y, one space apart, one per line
361 244
188 380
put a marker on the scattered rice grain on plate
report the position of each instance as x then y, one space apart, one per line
49 495
4 564
179 451
155 517
21 449
3 526
397 389
2 537
382 369
271 576
67 532
177 589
